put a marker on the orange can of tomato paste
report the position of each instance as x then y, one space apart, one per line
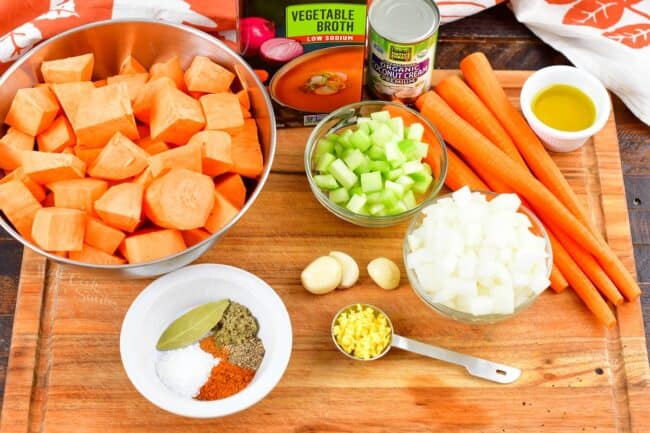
401 49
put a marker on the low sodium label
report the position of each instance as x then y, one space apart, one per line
326 22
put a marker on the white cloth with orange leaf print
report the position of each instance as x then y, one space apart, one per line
609 38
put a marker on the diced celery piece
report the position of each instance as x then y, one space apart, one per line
397 208
324 161
412 167
410 149
339 195
409 200
353 158
397 125
356 203
382 134
371 182
361 140
363 126
362 119
356 189
374 125
323 146
376 209
342 173
422 173
380 116
326 181
423 149
374 198
427 168
415 132
376 152
363 167
394 155
397 188
421 186
344 138
388 198
382 166
395 173
338 149
406 181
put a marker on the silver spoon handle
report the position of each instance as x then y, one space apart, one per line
475 366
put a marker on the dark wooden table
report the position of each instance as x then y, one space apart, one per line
508 45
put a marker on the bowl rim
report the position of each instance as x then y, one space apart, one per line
531 88
261 181
150 294
461 316
372 220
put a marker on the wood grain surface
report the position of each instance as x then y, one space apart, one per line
65 372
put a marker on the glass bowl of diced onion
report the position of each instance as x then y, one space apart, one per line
365 163
476 265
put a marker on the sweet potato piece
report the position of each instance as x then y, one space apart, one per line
45 167
204 75
145 97
181 199
231 187
134 82
152 245
18 139
145 178
221 214
77 193
90 254
188 156
215 151
152 147
170 68
130 65
102 113
19 174
246 151
222 111
57 137
119 159
194 236
77 68
175 116
70 94
121 206
19 206
10 157
100 83
32 110
87 154
102 236
244 99
59 229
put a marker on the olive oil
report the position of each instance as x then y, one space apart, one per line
564 107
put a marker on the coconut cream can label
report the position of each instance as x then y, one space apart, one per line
402 46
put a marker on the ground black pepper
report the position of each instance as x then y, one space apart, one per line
246 355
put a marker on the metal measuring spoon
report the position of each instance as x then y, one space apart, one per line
475 366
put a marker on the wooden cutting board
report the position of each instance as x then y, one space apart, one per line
65 373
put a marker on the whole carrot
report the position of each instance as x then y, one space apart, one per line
464 101
581 284
460 175
558 281
590 267
481 77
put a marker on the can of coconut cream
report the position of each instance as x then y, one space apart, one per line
402 48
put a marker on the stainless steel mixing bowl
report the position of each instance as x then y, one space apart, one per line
149 42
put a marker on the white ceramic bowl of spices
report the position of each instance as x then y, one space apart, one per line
206 341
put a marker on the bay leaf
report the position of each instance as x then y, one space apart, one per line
193 325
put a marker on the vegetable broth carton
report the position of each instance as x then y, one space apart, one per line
312 51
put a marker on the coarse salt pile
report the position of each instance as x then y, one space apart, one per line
185 370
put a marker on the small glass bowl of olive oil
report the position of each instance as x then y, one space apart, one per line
565 106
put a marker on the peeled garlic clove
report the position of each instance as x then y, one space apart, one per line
384 273
349 267
322 275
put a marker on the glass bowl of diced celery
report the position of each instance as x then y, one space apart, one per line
375 163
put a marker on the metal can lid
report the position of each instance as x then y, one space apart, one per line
404 21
